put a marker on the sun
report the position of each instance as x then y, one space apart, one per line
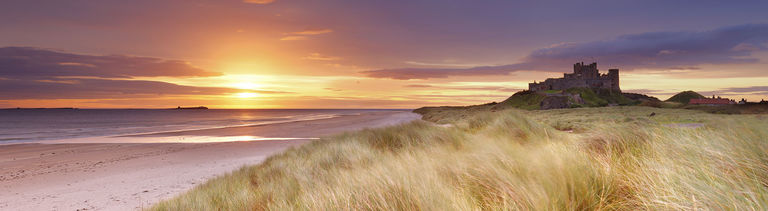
246 95
246 85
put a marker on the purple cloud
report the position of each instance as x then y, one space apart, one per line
34 73
758 89
726 45
426 73
471 88
103 88
37 63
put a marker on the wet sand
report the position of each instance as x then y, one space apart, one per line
126 174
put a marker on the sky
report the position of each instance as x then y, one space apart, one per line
367 54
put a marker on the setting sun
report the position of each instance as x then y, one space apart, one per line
247 85
246 95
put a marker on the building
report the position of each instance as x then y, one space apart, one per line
582 76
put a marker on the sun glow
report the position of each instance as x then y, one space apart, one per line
246 95
246 85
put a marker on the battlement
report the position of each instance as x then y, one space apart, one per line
582 76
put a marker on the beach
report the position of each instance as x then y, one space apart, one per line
129 172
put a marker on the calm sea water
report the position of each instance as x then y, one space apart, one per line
53 124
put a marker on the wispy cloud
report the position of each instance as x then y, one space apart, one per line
730 91
99 89
418 86
751 89
303 35
313 32
320 57
465 88
37 63
649 91
426 73
441 64
34 73
259 1
688 49
293 38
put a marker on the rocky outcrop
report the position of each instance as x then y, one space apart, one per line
555 102
560 100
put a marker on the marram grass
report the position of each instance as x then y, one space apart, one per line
577 159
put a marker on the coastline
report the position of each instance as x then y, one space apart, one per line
128 174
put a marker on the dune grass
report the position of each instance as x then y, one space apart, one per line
616 158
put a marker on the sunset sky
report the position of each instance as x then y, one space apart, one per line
366 54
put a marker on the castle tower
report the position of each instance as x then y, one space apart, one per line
586 71
613 74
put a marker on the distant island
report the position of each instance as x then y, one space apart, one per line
193 108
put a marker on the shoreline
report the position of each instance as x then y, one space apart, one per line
108 175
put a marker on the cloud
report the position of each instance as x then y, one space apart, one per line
320 57
105 89
466 88
649 91
259 1
35 73
37 63
293 38
343 66
731 91
684 68
303 35
759 89
418 86
726 45
98 89
313 32
426 73
465 97
440 64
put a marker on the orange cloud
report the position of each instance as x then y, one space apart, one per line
259 1
320 57
291 38
313 32
303 35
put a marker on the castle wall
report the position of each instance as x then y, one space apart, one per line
582 76
565 84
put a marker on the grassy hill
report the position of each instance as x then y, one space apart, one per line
527 100
640 97
685 97
612 158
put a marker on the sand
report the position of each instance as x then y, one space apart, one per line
127 174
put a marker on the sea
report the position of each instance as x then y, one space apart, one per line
42 125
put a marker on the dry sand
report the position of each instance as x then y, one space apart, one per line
87 175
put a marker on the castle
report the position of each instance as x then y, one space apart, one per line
582 76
